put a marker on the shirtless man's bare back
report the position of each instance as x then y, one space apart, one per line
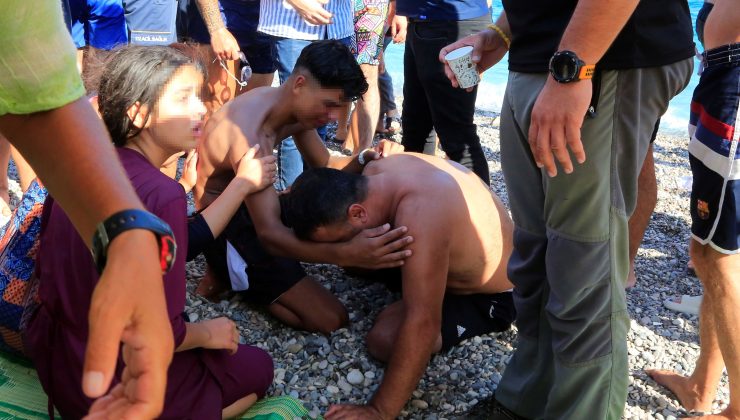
325 78
454 286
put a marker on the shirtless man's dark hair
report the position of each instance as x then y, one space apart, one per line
313 203
332 65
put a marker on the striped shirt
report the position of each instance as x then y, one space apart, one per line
279 18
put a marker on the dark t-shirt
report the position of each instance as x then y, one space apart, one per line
659 32
441 9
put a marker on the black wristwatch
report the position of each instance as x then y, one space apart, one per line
566 67
125 220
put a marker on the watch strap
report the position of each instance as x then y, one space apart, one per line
586 72
125 220
361 157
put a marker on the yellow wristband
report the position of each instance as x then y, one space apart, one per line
501 33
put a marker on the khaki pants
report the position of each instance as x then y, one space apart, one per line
570 257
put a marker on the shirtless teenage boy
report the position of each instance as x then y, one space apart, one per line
325 77
454 286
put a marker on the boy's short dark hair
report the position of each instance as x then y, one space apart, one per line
332 64
320 197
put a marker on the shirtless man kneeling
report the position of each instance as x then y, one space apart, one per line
257 252
454 286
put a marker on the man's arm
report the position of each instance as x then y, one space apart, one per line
316 154
373 248
223 43
128 304
592 29
424 283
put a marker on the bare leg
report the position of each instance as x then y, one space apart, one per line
4 186
719 274
647 197
368 107
342 123
239 407
26 174
352 143
381 338
697 392
309 306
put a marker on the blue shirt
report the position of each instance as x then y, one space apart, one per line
278 18
441 9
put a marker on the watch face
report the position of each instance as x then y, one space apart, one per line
563 66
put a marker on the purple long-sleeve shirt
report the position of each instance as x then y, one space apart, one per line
200 382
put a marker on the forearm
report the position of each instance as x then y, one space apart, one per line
280 241
723 24
196 335
594 26
218 214
211 14
411 354
84 174
345 163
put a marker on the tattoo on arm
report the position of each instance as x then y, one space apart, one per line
211 14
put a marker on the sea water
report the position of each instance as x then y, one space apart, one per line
491 89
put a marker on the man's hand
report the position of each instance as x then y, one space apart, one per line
488 49
377 248
556 123
128 305
312 11
398 29
349 412
224 44
387 148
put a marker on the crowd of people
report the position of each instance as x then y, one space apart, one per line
145 102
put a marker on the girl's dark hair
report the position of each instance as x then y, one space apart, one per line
332 64
135 74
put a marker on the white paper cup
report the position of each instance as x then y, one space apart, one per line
461 63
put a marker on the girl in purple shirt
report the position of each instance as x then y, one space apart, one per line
148 99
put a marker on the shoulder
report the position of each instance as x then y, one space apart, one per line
155 189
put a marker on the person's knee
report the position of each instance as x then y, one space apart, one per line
263 371
333 317
379 343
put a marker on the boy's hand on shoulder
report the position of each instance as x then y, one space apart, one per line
222 334
258 173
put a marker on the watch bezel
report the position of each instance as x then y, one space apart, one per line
574 65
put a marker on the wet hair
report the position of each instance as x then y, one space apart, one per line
321 197
332 64
135 74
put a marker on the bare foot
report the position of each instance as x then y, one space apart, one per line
727 414
687 392
210 287
631 278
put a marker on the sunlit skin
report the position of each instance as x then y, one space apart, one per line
462 242
266 116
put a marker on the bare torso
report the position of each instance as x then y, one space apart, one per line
478 226
228 134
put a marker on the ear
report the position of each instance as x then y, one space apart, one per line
298 83
137 113
357 215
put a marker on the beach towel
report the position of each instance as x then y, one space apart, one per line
21 396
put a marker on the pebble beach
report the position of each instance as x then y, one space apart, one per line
323 370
